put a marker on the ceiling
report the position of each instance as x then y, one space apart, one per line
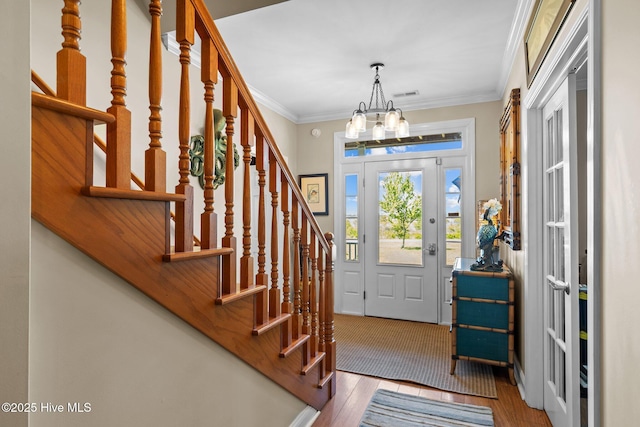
309 59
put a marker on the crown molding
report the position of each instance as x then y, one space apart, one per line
273 105
421 105
516 35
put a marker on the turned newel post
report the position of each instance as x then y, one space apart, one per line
119 132
155 159
185 35
71 64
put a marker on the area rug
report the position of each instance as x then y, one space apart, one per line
407 351
388 408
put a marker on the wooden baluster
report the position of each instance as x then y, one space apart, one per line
261 277
155 159
313 302
329 338
209 77
247 137
185 35
71 65
305 277
274 187
286 331
119 132
321 308
229 111
286 257
297 306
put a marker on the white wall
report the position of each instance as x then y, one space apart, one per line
96 339
15 228
620 210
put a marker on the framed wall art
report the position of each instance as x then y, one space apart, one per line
545 21
315 189
510 171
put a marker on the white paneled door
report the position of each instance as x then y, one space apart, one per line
401 235
561 355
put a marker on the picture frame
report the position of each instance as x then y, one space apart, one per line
547 17
510 171
315 189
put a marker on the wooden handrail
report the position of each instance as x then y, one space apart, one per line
206 25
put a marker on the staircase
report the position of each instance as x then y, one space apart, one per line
279 319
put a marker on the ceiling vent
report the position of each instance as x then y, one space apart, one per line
403 94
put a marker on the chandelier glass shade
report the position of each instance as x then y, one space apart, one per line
394 121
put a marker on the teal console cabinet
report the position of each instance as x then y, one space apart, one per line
482 316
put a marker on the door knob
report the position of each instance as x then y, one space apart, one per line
566 287
431 248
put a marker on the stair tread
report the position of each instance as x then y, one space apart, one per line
197 253
313 362
271 323
294 345
243 293
323 382
118 193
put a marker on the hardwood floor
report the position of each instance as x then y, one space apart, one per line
354 392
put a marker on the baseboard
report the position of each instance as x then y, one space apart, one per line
305 418
519 374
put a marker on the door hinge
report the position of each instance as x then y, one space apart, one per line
364 295
438 160
364 238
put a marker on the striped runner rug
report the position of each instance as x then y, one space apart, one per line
389 408
407 351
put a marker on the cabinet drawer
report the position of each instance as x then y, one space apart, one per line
482 344
483 314
496 288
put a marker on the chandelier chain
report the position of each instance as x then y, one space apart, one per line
381 103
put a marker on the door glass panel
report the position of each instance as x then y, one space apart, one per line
400 218
549 148
453 214
562 378
558 137
351 223
552 359
560 273
559 195
560 328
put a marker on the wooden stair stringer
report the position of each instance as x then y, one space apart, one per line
128 237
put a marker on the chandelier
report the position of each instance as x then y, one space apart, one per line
394 121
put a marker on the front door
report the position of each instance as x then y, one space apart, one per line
401 231
561 357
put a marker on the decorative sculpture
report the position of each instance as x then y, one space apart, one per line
196 153
486 235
